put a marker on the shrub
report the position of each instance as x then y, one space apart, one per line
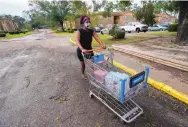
173 27
71 31
2 35
11 33
117 33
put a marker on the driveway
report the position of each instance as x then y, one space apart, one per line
41 86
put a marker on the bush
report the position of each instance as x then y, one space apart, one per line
117 33
71 31
11 33
173 27
2 35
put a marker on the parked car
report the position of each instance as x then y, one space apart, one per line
97 29
157 28
164 25
134 26
105 31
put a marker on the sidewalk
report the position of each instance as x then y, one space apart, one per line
175 78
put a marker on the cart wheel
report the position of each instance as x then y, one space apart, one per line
91 95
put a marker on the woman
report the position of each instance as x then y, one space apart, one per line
84 40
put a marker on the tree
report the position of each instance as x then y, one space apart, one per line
123 5
80 8
182 36
139 15
171 6
146 14
56 10
158 7
109 7
19 20
98 6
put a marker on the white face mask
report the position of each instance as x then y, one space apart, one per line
87 25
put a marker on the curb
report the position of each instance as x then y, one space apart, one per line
158 85
165 61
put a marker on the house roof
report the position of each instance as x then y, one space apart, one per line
120 13
116 13
162 14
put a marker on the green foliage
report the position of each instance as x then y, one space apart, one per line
112 31
139 15
158 7
166 6
109 7
71 31
1 31
123 5
27 26
117 33
97 6
53 10
17 32
173 27
2 35
146 14
80 8
171 6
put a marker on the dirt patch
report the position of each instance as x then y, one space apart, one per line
160 47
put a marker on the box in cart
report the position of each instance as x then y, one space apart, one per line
100 75
99 58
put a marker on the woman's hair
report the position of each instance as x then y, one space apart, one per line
83 19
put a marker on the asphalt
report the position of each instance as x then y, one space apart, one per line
41 86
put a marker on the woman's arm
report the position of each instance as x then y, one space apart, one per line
78 42
98 39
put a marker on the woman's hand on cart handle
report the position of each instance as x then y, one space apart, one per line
96 49
84 50
103 47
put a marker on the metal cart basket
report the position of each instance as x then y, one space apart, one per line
115 95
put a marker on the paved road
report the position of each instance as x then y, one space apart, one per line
41 86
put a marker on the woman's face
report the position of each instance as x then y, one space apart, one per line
87 23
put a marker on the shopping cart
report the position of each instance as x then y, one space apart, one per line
115 95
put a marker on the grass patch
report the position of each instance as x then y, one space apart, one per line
9 36
107 40
163 33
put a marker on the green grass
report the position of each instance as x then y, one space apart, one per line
107 40
163 33
9 36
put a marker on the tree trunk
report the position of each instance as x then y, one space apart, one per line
61 23
182 35
70 25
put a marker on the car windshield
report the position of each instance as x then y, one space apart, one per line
136 23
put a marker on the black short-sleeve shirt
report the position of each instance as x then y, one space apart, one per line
86 38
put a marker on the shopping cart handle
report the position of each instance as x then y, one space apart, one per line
96 49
